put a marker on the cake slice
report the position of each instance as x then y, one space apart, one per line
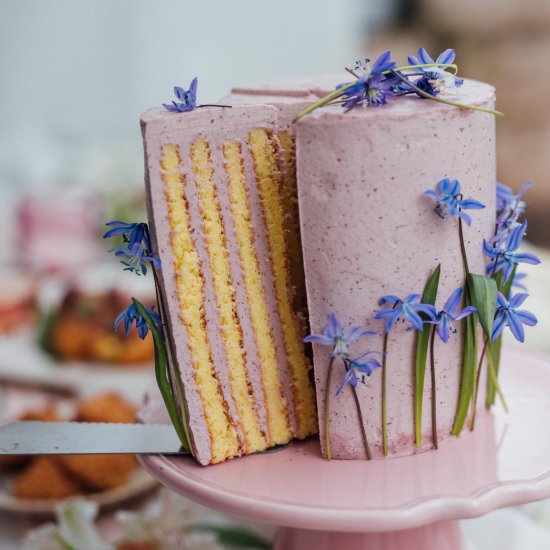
215 206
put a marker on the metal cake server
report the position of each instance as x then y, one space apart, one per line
58 438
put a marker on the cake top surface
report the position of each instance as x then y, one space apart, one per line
307 89
210 116
472 92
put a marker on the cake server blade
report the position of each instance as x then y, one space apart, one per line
59 438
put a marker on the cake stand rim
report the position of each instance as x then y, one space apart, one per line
427 510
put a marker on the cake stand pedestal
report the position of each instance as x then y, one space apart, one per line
410 503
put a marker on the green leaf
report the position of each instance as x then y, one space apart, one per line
163 380
422 338
469 366
483 292
234 536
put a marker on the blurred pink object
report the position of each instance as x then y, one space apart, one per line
58 230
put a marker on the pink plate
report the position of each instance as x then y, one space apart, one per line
505 461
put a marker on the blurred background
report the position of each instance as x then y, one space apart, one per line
75 76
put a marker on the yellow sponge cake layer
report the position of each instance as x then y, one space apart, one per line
225 295
264 152
187 269
275 402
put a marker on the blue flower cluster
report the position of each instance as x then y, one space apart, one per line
418 314
504 254
407 309
135 254
383 80
336 336
502 249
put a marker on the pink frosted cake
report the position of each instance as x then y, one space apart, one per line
369 223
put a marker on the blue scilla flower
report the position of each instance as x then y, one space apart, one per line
407 309
437 73
449 197
131 233
130 316
364 365
187 99
372 86
508 204
427 85
507 315
135 258
505 197
504 255
509 208
335 335
445 318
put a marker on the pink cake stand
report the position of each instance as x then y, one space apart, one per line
410 503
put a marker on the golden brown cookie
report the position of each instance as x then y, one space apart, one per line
44 478
99 472
106 407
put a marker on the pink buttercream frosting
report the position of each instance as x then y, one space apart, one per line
366 171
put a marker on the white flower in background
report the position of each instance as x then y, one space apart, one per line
75 530
165 523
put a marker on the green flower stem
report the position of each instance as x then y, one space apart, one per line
323 101
495 347
463 249
469 362
175 379
424 66
493 377
476 388
446 101
363 430
384 417
434 389
327 396
494 380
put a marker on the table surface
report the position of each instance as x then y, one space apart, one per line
506 461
